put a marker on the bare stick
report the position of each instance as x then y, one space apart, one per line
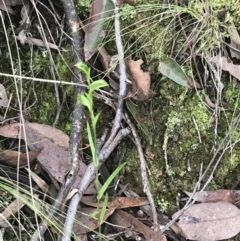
73 160
123 77
146 188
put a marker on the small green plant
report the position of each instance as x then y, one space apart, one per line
87 100
163 204
127 12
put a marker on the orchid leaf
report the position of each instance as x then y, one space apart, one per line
171 69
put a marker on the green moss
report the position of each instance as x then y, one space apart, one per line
127 12
83 7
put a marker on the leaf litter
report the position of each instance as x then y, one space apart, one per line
52 154
3 97
235 41
123 219
141 80
226 64
18 159
95 30
54 144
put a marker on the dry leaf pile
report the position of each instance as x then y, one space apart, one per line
50 148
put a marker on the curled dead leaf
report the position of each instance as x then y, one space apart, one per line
3 97
235 41
140 80
227 65
10 157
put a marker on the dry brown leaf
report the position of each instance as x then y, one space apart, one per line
71 194
220 195
127 202
43 185
84 223
227 65
54 156
193 84
145 208
6 9
91 201
13 2
124 219
210 221
104 57
33 129
199 196
95 29
140 80
3 97
204 195
9 211
235 41
10 157
116 202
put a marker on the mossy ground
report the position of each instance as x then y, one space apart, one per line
188 128
176 120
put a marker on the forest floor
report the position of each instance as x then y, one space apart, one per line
131 109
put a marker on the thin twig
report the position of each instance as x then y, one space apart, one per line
197 129
43 80
123 76
146 188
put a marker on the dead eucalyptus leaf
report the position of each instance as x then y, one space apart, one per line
6 9
199 196
123 219
116 202
35 129
54 156
235 41
220 195
210 221
104 57
34 41
10 157
3 97
227 65
127 202
95 30
140 80
13 3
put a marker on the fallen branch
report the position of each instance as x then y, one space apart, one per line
123 76
77 126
